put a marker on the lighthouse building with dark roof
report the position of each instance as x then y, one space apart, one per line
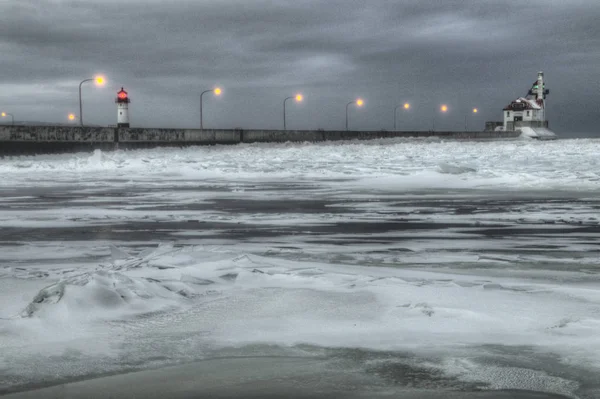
523 110
527 115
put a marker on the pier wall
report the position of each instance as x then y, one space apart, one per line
54 139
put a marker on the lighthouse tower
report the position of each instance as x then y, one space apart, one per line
122 101
539 92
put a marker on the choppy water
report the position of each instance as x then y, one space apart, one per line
445 265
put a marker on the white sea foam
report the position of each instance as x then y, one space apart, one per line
398 164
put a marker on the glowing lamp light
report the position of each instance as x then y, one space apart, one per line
475 110
406 106
444 108
100 80
122 95
217 91
71 117
299 97
360 102
4 114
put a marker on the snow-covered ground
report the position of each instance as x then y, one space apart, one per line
479 259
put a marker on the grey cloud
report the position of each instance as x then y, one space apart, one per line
460 52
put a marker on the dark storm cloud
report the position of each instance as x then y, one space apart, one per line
464 53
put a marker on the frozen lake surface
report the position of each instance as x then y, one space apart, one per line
404 264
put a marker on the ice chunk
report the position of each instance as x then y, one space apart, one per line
454 169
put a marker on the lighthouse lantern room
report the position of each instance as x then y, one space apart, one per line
122 101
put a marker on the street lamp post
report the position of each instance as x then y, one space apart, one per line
443 109
217 92
12 117
298 98
475 110
359 102
99 82
405 105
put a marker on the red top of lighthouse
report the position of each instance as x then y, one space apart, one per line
122 97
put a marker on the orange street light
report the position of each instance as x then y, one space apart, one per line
5 114
359 103
444 108
100 81
217 91
71 117
299 98
406 107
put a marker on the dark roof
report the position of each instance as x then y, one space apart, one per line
521 104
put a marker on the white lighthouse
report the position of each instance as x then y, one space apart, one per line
122 101
540 94
528 114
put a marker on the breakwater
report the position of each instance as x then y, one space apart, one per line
54 139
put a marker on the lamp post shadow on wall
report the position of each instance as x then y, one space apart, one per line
359 103
217 91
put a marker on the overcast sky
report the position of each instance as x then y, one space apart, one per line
461 53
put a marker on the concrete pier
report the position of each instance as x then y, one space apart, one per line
56 139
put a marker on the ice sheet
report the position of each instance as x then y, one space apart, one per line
391 245
217 299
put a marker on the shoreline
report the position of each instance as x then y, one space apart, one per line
256 377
